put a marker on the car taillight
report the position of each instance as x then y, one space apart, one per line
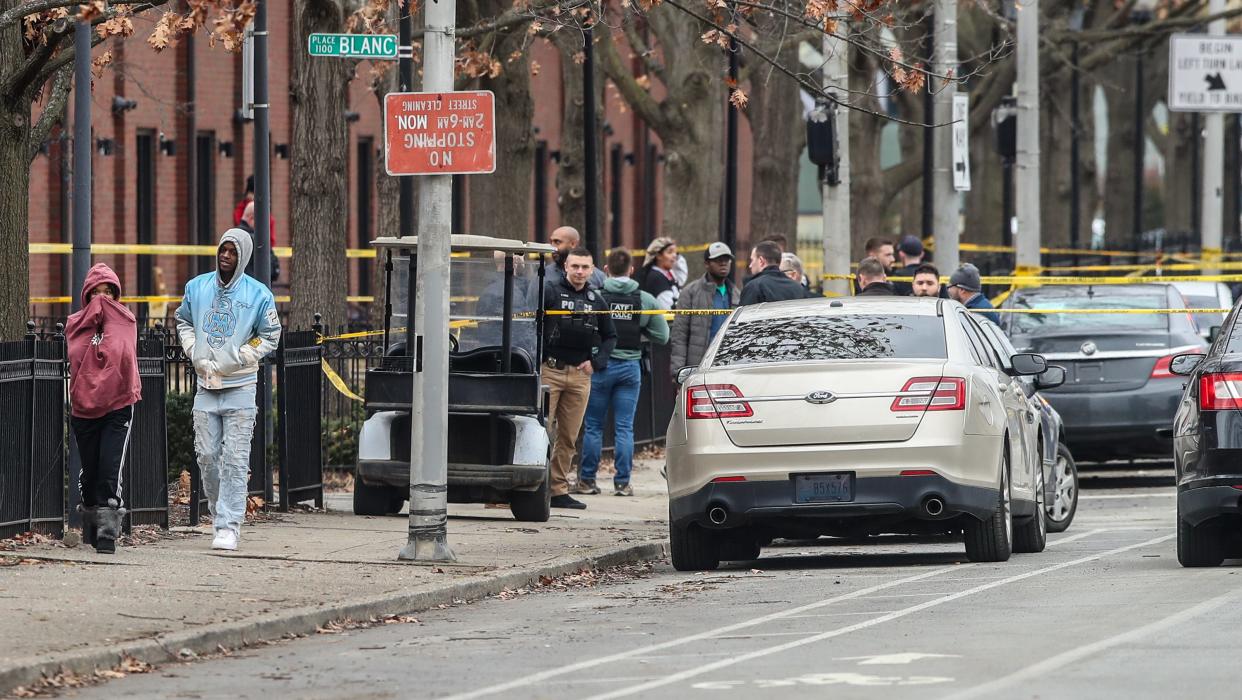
716 401
937 394
1161 370
1221 391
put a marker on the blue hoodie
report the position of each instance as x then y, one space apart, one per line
226 328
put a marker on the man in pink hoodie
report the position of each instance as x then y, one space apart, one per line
103 388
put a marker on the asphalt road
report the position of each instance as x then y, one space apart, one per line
1105 612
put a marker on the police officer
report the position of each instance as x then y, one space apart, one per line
577 345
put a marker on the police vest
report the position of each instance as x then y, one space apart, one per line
625 318
575 331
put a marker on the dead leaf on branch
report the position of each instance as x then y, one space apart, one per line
818 9
534 67
738 99
162 36
92 10
99 63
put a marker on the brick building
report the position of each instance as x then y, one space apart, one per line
171 157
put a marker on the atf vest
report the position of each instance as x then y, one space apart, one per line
574 331
625 318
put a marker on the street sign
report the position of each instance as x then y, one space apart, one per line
961 142
445 133
377 47
1205 73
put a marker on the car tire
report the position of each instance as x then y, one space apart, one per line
371 500
989 540
532 506
694 548
1065 491
1031 534
742 546
1199 545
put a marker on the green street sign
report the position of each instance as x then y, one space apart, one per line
381 47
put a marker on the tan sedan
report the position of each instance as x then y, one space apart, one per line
851 417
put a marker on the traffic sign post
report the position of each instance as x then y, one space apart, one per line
375 47
1205 73
440 133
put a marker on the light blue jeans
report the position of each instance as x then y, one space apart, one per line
618 387
223 427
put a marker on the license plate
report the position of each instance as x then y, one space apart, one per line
823 488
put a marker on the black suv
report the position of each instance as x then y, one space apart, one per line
1207 449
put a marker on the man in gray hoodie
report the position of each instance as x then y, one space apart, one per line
227 322
617 386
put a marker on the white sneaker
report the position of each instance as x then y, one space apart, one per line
225 539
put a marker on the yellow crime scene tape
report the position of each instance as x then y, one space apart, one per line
1033 280
337 382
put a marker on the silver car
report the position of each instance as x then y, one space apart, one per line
851 417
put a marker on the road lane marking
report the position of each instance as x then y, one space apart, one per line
1123 496
1042 668
1073 538
709 634
759 653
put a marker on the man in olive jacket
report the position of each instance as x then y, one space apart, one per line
691 334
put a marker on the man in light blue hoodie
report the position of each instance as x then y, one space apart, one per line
618 385
227 323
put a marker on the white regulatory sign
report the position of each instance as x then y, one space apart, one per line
961 142
1205 73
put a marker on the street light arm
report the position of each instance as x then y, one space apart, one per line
53 111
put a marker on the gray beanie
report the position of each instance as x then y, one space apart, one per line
966 277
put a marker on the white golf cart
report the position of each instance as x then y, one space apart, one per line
498 449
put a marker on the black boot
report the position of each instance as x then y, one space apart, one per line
88 524
109 526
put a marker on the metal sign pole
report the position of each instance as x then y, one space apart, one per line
262 215
428 532
1213 169
81 214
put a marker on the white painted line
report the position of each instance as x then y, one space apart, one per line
1072 538
841 614
759 653
709 634
1043 668
766 634
1124 496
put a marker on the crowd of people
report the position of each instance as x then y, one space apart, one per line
594 362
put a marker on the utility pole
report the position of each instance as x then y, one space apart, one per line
262 214
1213 168
428 532
836 194
81 210
945 218
1026 180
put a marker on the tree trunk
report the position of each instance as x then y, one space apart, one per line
1117 79
500 203
14 220
868 204
1181 177
318 173
910 199
571 167
779 133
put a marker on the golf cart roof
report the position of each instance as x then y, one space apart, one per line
469 243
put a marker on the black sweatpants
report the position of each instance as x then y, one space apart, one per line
102 444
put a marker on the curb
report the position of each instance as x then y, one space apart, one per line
304 620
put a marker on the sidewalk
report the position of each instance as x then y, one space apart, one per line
74 608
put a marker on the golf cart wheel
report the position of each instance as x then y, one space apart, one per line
532 506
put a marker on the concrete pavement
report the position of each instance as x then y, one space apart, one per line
1104 612
74 608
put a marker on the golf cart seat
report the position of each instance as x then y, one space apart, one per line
489 359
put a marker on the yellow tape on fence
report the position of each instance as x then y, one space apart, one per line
337 382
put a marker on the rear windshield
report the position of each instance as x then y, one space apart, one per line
1205 321
1046 323
845 337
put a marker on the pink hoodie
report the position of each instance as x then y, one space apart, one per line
103 351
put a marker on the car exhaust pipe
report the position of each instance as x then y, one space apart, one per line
717 515
933 506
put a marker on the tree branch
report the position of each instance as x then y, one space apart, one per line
511 18
16 86
53 111
636 95
644 52
20 12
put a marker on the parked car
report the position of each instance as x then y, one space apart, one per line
1207 454
1118 390
851 417
1060 471
1206 295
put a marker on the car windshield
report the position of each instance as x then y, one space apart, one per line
839 337
1098 298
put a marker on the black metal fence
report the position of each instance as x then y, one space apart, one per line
300 377
32 435
145 476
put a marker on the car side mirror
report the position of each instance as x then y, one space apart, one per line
1050 378
1185 365
684 373
1027 364
1213 334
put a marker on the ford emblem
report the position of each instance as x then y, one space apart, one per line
820 397
1088 348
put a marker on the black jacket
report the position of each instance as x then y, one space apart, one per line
878 289
770 285
905 289
574 339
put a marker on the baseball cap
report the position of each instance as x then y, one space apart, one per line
966 277
717 250
911 245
